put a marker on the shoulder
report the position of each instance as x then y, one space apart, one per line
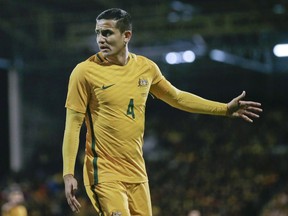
142 60
82 68
152 67
86 63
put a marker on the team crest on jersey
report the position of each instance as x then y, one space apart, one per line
142 82
116 213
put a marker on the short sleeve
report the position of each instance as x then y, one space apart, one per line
78 90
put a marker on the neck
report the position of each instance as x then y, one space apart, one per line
120 59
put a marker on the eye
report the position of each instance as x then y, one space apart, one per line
106 33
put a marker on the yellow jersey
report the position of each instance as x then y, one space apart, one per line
113 98
18 210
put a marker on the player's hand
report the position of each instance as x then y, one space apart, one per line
244 109
71 186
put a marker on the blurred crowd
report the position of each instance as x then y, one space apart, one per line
197 165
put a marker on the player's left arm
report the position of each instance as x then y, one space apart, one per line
186 101
239 108
192 103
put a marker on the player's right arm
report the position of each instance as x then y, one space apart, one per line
74 121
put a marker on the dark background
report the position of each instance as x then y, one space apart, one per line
217 165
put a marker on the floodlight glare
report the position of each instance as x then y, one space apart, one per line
172 58
218 55
188 56
281 50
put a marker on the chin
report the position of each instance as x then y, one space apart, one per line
105 53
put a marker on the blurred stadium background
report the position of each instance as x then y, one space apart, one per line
217 165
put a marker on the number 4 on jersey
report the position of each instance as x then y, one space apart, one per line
130 109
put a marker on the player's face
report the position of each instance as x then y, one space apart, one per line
110 40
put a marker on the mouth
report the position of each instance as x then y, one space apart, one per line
104 48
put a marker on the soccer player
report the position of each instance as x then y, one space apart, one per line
194 213
15 200
109 90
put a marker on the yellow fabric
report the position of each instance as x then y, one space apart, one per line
113 99
18 210
186 101
111 197
74 121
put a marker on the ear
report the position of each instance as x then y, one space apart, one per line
127 36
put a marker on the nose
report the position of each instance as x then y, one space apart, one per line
100 39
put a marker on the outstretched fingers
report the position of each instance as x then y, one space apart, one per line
250 109
246 118
249 103
251 106
247 115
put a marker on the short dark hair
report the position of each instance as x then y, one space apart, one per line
124 21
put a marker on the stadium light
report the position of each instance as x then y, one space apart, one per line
218 55
187 56
281 50
172 58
